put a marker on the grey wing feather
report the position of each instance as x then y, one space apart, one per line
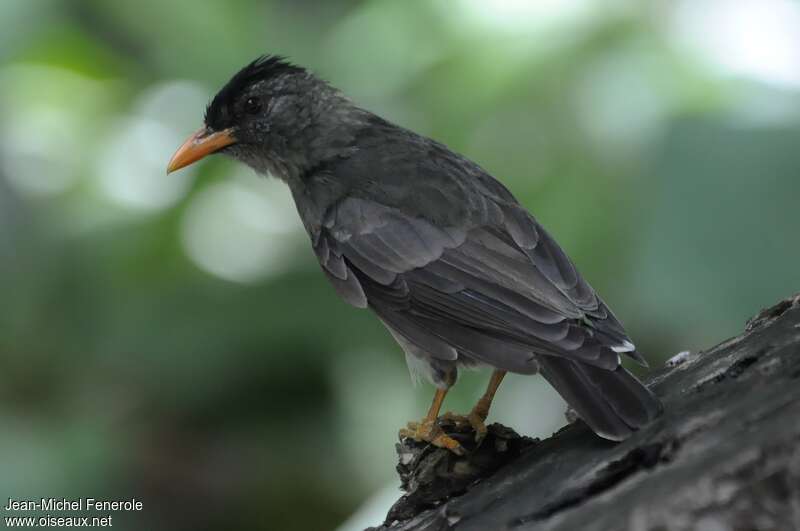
500 292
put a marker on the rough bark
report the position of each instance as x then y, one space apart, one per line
725 455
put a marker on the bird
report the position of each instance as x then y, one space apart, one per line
458 271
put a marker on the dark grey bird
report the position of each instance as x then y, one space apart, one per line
458 271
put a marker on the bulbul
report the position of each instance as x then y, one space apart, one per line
456 269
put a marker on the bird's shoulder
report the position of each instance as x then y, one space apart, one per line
401 185
396 168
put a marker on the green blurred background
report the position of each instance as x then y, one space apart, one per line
171 338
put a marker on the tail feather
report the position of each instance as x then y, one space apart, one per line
612 402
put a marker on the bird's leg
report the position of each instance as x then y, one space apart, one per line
428 430
477 416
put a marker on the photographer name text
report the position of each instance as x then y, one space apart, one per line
78 504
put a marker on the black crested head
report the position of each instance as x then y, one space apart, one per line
263 69
279 118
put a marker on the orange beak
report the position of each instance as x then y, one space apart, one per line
200 144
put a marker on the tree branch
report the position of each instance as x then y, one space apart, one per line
725 455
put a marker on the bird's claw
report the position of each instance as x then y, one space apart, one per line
430 432
475 420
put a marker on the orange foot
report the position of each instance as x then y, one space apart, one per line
428 430
476 419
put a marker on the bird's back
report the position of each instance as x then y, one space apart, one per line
458 270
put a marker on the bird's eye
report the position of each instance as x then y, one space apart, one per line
252 105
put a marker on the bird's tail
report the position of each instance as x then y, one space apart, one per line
613 403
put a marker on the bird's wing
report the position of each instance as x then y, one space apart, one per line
500 291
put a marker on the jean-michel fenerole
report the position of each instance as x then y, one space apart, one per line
78 504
